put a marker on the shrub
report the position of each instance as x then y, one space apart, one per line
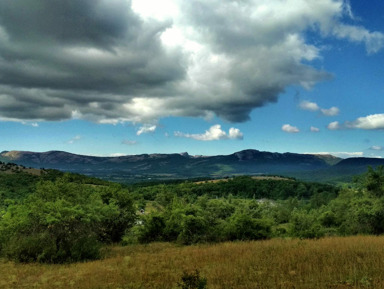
192 281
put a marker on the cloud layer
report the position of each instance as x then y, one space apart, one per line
114 61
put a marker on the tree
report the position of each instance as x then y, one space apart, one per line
244 227
194 230
114 227
374 181
305 225
153 229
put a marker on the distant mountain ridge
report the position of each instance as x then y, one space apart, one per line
183 165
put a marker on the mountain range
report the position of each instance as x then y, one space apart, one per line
132 168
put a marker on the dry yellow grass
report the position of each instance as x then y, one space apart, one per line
353 262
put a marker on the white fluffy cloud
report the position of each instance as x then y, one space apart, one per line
146 129
214 133
140 60
289 128
334 125
370 122
307 105
333 111
373 121
314 129
235 133
313 106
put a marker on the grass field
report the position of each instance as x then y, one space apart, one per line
351 262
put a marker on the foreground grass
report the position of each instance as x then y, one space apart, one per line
353 262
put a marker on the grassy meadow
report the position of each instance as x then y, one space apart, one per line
339 262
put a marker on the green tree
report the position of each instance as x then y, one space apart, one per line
114 227
374 181
244 227
305 224
153 229
194 229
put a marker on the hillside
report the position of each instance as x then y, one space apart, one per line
171 166
343 171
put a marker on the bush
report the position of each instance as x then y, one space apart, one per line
192 281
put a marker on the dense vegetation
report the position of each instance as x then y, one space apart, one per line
58 218
248 209
62 220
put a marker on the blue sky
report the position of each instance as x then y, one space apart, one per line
132 77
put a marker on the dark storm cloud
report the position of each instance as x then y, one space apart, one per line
103 61
81 45
100 23
57 57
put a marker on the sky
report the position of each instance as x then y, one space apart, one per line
207 77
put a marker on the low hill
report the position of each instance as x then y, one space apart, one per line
343 171
11 168
354 166
360 162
